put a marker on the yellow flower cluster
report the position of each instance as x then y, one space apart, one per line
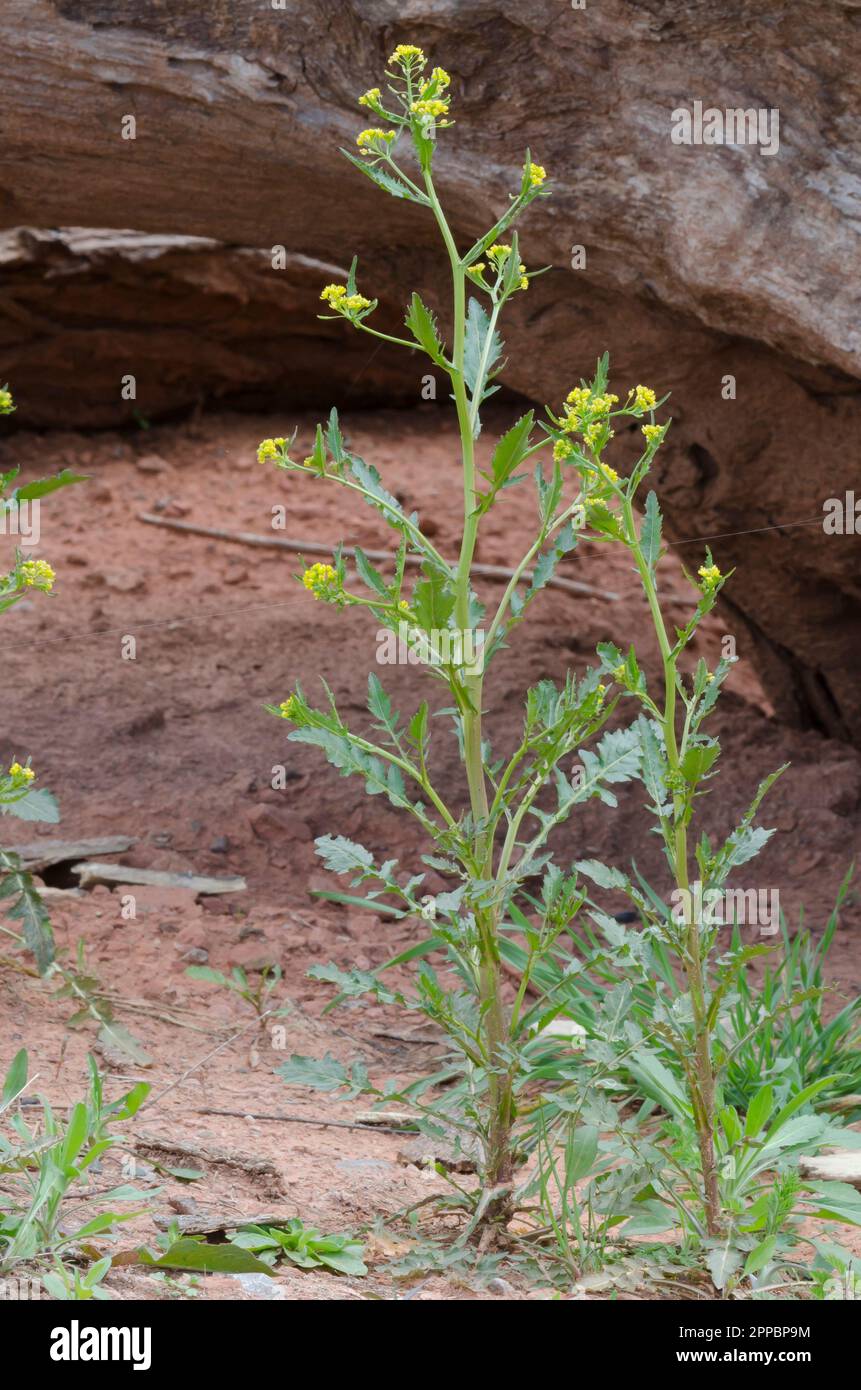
432 107
653 433
37 574
536 173
596 433
583 403
427 99
7 405
710 575
337 298
288 707
562 450
269 449
644 398
320 580
21 775
500 253
407 55
588 414
370 141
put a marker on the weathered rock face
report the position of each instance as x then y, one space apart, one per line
702 262
111 328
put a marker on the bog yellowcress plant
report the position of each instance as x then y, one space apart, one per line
514 1084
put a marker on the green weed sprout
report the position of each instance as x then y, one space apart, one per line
18 796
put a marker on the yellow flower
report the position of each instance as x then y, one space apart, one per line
562 450
477 269
644 398
524 278
332 293
440 77
370 98
269 449
602 405
432 107
21 774
369 141
578 397
37 574
653 433
609 473
354 302
288 707
595 432
499 251
536 173
320 580
407 55
404 605
710 575
7 405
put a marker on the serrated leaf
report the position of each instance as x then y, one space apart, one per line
369 479
41 487
650 532
325 1074
116 1035
477 349
27 908
369 576
601 874
343 856
509 454
36 805
383 179
433 601
698 760
421 323
380 705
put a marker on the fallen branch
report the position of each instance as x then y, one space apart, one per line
572 586
92 873
304 1120
207 1153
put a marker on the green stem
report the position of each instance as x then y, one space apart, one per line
498 1164
702 1085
